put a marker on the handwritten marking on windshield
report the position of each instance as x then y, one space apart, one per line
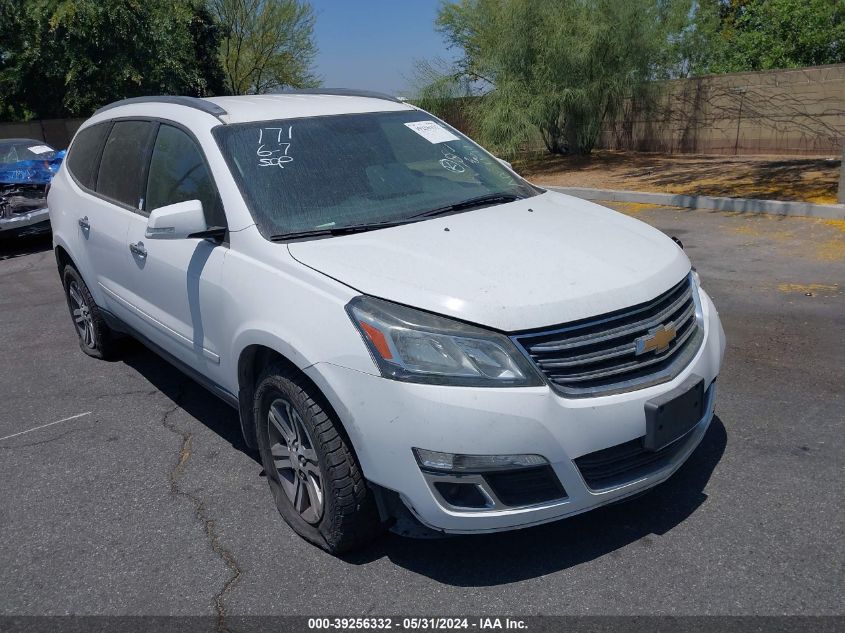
277 138
451 160
452 165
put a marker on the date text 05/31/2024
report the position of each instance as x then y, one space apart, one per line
413 624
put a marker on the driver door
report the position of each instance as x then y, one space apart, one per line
176 282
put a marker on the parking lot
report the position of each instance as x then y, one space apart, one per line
127 490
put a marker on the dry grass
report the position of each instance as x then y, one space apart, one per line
810 289
770 178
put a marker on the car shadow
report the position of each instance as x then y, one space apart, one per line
187 394
488 559
11 248
506 557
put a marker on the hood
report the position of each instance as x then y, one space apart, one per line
543 261
33 172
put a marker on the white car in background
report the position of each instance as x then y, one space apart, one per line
412 333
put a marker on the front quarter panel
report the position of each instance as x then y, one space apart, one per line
281 304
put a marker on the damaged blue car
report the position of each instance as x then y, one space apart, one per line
26 168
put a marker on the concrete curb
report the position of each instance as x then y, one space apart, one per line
736 205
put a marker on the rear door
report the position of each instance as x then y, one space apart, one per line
109 164
175 283
82 165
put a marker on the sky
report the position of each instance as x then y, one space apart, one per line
372 44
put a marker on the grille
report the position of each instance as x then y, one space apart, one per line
525 486
622 463
599 356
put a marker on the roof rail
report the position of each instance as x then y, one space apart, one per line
342 92
191 102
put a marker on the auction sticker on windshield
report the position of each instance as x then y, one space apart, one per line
432 131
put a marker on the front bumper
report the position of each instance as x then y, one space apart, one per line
33 222
386 418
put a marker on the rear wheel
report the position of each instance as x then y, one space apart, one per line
314 476
95 337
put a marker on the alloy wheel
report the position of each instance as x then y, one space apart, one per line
82 318
296 462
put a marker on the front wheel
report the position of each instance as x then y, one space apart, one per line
313 473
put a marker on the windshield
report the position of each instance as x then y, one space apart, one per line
13 152
334 172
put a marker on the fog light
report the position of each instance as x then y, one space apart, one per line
450 462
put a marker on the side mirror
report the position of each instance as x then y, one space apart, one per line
505 163
176 221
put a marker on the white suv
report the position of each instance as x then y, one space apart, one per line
412 334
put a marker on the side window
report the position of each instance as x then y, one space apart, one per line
178 173
123 162
84 154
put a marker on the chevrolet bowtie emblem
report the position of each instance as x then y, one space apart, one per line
657 340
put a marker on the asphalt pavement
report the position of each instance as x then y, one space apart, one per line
127 490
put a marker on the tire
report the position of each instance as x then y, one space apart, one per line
95 337
314 476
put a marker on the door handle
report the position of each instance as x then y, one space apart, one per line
138 250
83 223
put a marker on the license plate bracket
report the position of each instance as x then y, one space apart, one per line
673 414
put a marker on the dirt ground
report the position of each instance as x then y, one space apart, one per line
765 177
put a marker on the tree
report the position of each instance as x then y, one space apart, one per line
560 66
765 34
267 44
68 57
206 37
11 39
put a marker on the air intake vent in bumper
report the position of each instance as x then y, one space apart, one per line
526 486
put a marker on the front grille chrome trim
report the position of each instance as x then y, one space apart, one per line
580 360
621 350
633 364
581 341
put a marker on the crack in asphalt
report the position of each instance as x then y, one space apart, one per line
200 510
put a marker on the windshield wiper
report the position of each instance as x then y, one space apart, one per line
337 230
487 199
478 201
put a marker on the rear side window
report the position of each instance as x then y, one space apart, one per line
84 155
123 162
178 173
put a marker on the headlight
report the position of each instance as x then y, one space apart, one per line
695 277
417 346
